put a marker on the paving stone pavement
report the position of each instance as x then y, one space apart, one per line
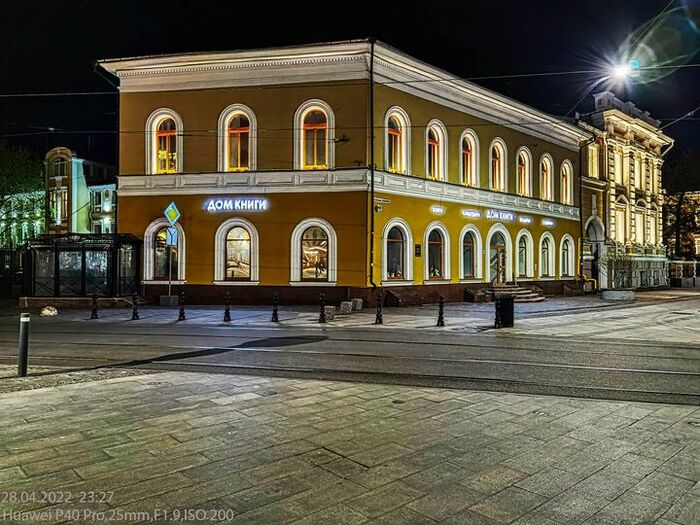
201 448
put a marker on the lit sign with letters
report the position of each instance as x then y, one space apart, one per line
500 215
235 204
472 214
437 209
525 220
548 222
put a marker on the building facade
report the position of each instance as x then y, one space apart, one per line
622 196
339 168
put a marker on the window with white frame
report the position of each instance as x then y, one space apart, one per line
524 167
639 224
566 184
567 257
397 261
546 257
164 142
653 217
621 223
525 254
617 165
236 252
497 175
593 160
436 254
313 253
163 253
435 151
237 139
469 255
469 160
546 181
397 140
314 136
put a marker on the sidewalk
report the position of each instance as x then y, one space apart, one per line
270 450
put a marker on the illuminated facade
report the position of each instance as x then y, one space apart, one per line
622 194
339 168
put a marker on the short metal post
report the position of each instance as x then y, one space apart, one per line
94 315
227 308
23 345
379 319
275 307
181 316
441 311
322 314
134 308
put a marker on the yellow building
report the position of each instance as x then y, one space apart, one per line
339 168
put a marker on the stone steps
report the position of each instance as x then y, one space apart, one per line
522 294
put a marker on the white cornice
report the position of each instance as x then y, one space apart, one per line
337 62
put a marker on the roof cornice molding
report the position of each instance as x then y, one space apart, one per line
337 62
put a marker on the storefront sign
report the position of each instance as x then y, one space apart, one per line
472 214
437 209
234 204
500 215
548 222
525 220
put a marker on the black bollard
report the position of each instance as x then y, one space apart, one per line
379 319
227 309
275 307
322 315
94 315
134 308
181 316
23 345
441 311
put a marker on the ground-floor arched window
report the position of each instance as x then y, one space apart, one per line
314 254
468 256
436 255
546 256
163 252
565 250
497 258
522 257
164 257
395 249
237 254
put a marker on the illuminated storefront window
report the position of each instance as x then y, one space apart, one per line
395 246
164 255
315 140
237 254
468 252
314 254
166 146
545 249
435 255
565 258
522 256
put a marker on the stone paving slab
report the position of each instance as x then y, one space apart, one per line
149 448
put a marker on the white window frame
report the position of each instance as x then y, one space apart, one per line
473 138
566 165
552 257
499 143
149 245
528 171
405 122
441 133
223 150
220 252
408 253
499 228
572 256
436 225
302 110
546 158
478 250
295 266
530 255
152 124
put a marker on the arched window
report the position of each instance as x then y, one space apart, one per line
314 136
498 260
395 253
565 258
237 255
314 254
546 255
395 145
498 165
166 146
433 154
436 255
468 256
315 140
522 257
546 192
165 257
468 160
58 167
397 140
164 142
524 172
238 143
566 184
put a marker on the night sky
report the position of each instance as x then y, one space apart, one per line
51 46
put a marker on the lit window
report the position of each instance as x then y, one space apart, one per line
467 161
435 255
523 174
166 146
59 167
164 257
395 246
546 179
314 254
237 254
433 154
238 145
545 269
566 184
498 168
315 140
468 261
395 145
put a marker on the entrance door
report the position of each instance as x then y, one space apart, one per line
497 258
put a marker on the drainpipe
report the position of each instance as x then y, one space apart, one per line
580 202
371 162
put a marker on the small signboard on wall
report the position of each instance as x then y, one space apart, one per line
417 250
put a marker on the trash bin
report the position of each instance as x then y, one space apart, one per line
505 305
